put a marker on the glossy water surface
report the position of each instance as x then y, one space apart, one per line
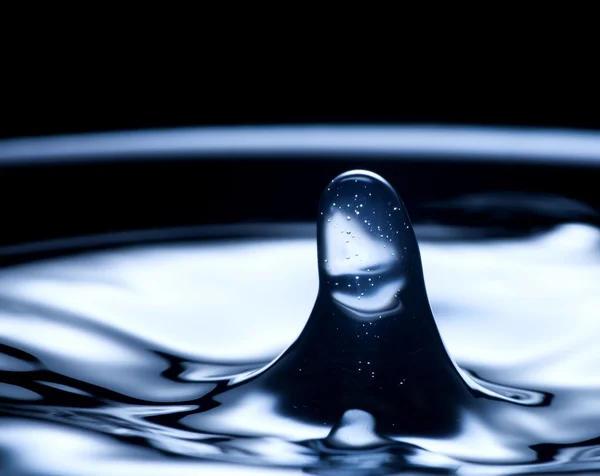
296 355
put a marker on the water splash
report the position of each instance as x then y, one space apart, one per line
367 387
371 342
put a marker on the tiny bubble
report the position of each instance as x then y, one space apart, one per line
348 218
348 232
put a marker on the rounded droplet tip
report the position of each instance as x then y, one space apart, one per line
364 238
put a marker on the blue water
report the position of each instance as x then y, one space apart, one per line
364 351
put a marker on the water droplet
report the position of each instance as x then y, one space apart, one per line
401 326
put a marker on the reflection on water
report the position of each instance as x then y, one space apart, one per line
106 358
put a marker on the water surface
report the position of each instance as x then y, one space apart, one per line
108 358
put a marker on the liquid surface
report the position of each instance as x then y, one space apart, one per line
156 359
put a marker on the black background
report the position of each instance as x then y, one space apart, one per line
59 111
88 94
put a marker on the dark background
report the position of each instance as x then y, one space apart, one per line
102 97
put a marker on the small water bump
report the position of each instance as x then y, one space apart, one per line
347 218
